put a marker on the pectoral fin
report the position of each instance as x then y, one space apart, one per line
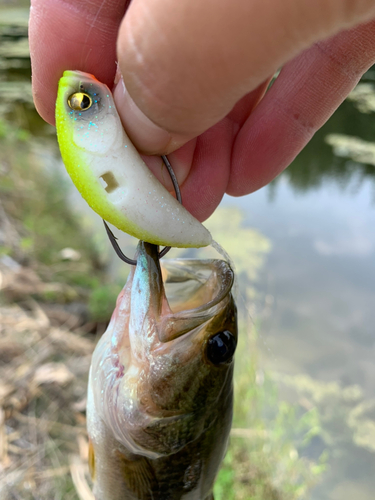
91 460
138 476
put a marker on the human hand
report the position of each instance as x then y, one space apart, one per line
196 72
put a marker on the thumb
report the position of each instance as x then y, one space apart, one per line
185 64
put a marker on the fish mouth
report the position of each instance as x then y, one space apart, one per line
213 279
149 370
210 280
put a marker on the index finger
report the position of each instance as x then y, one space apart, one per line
66 34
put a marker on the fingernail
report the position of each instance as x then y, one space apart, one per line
145 135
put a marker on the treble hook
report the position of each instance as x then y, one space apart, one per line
112 237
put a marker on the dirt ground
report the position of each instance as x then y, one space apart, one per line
45 356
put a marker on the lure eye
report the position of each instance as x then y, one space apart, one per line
221 347
80 101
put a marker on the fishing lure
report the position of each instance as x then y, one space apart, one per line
109 172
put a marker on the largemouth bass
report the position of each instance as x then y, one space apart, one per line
109 172
160 391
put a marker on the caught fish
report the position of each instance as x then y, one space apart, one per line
109 172
160 391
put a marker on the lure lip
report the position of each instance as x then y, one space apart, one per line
75 73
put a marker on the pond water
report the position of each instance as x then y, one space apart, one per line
319 280
315 305
319 291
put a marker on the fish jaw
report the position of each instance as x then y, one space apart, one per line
96 150
156 396
121 359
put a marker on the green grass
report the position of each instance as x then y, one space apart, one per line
265 456
35 203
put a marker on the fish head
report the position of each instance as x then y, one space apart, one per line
162 373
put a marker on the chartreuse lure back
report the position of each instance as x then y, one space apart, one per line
109 172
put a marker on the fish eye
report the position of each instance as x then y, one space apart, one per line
80 101
221 347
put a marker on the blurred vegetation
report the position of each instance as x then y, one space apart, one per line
352 147
269 436
351 134
41 231
363 97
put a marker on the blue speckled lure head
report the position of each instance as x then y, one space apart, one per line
85 113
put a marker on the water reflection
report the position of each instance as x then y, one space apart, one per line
316 164
16 102
318 327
